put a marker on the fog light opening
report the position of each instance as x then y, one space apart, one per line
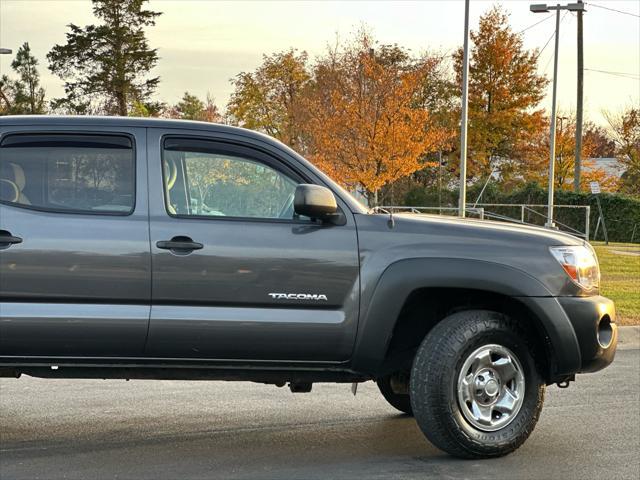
605 332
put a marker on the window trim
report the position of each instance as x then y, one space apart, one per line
72 211
270 160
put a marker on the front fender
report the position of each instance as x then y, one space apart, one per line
381 306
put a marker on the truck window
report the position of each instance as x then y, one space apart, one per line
68 173
214 183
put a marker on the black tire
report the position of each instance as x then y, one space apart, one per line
434 384
397 400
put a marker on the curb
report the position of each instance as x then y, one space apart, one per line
628 337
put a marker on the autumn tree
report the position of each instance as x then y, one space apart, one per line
24 95
603 144
269 98
105 67
504 95
565 157
7 94
625 130
364 125
440 97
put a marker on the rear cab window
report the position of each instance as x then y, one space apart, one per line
68 173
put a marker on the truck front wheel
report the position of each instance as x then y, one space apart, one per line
475 388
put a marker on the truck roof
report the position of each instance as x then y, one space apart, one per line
138 122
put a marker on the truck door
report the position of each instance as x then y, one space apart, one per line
74 243
235 274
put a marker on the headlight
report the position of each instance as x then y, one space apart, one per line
580 263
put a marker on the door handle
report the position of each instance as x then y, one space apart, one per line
180 244
6 239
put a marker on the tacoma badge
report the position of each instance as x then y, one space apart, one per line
298 296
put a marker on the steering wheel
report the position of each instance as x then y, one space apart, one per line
9 191
287 207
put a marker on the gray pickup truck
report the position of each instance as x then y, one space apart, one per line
156 249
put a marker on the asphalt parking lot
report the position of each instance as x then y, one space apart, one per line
86 429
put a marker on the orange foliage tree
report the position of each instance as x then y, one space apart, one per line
565 157
505 90
363 122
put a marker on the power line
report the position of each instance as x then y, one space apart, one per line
631 76
614 10
535 24
617 73
550 38
545 45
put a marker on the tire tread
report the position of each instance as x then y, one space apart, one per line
436 359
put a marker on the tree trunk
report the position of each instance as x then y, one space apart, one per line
122 105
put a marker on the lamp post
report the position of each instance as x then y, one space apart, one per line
462 201
5 51
579 106
544 8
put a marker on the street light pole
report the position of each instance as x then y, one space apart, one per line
543 8
552 130
465 114
5 51
579 106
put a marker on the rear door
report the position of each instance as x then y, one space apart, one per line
235 275
74 243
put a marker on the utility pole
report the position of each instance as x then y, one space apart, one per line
543 8
579 107
465 114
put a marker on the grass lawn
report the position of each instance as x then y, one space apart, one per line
621 278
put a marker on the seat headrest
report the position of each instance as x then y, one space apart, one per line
18 176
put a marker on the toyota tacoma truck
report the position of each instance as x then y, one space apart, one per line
158 249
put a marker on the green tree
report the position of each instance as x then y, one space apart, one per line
147 109
190 107
105 67
505 91
23 96
269 99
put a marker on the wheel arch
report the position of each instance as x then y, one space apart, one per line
445 285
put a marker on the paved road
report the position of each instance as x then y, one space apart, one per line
87 429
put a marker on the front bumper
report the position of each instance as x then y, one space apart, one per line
593 320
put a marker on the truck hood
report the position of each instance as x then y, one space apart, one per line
489 229
522 247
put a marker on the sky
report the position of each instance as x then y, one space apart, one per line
202 44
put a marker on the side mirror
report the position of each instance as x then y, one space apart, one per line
315 201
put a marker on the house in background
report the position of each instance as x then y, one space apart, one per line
612 166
